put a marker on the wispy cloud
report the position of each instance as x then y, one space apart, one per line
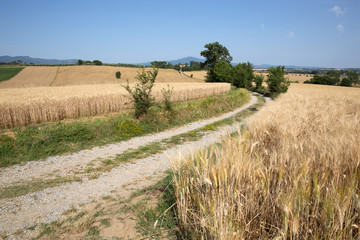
340 28
338 10
262 27
291 35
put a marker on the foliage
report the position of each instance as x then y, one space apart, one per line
141 92
258 79
129 128
243 75
330 78
167 98
97 62
118 74
276 80
80 62
351 78
214 54
222 72
9 72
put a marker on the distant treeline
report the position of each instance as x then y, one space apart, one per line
333 77
193 66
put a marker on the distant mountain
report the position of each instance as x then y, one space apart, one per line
28 60
265 66
177 61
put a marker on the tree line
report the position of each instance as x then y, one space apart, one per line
220 69
332 77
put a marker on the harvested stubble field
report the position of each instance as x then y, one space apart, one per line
293 174
34 76
31 77
24 106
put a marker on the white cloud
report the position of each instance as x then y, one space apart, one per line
291 35
262 27
338 10
340 28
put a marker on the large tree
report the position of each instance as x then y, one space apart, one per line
215 53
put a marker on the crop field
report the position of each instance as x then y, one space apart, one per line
24 106
7 72
31 77
292 174
38 76
80 75
301 78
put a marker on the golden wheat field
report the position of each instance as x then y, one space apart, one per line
24 106
293 174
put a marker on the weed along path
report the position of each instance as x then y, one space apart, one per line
49 203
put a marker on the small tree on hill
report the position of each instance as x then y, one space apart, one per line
276 80
118 74
80 62
141 92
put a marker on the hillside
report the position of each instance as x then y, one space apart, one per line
29 60
37 76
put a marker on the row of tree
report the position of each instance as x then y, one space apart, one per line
193 66
333 78
218 61
95 62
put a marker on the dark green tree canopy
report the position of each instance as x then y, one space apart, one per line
215 53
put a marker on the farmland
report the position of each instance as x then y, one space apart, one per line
42 76
7 72
291 76
293 173
78 91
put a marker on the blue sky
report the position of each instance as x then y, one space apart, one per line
281 32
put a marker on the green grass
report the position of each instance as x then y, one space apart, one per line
43 140
8 72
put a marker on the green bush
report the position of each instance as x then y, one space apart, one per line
118 74
128 128
276 80
141 92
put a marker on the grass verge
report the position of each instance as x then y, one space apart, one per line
43 140
142 152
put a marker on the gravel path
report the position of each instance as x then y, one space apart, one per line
66 165
48 205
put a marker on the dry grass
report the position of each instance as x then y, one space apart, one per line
293 174
197 74
24 106
81 75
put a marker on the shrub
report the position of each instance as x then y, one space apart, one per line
222 72
276 80
141 92
128 128
167 97
97 62
118 74
258 79
346 82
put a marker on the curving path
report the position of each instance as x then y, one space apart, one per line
48 205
